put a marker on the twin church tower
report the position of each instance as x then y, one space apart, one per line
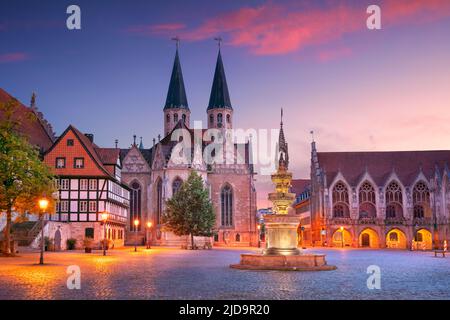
220 111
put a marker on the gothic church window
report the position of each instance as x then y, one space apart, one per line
183 117
168 118
226 206
135 204
219 120
176 185
394 200
159 202
228 118
175 117
421 199
367 200
340 201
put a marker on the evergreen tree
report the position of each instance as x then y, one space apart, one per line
189 211
24 178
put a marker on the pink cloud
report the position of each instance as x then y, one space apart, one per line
273 29
13 57
334 54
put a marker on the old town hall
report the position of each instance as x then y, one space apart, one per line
153 177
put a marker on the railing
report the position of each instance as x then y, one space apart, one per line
368 220
395 220
423 221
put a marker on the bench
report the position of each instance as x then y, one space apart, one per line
441 252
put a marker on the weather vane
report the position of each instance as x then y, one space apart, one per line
219 41
177 41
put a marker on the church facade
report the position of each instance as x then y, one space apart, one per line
154 175
398 199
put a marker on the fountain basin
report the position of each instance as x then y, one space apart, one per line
301 262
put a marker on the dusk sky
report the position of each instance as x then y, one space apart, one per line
358 89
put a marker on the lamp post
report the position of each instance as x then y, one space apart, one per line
136 224
104 218
149 226
43 204
259 235
342 235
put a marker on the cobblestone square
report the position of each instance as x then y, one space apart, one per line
166 273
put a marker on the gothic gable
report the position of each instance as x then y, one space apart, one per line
134 162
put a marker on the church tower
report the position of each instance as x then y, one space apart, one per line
176 107
220 111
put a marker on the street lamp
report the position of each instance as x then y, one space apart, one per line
259 235
342 235
136 224
43 204
104 218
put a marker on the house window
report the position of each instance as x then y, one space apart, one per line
60 163
83 184
92 184
64 185
78 163
89 233
226 201
70 142
92 206
83 206
63 206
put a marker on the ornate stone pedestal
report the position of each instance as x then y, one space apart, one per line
281 235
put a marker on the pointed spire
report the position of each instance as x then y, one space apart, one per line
283 161
33 101
141 145
116 143
134 140
220 98
176 95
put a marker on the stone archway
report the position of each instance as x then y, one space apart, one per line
423 240
368 238
396 239
340 242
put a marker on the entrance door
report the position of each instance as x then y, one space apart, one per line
58 240
365 240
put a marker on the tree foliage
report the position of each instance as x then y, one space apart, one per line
24 178
190 211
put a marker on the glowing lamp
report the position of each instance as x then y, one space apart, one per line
104 216
149 224
43 204
136 222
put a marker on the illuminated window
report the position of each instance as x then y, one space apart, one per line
135 204
60 163
78 163
226 201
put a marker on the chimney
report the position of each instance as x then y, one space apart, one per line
90 136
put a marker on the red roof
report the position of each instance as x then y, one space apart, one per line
380 165
31 125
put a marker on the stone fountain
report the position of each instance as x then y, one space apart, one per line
281 251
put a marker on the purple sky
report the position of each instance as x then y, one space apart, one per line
357 89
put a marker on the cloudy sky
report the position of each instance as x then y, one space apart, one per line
358 89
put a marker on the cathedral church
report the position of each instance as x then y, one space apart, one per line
153 176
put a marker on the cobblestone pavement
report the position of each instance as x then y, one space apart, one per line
164 273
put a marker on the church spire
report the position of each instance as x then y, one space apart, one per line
283 160
220 98
176 95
